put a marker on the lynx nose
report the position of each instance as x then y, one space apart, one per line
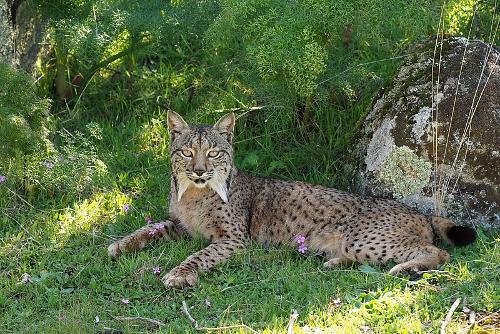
199 172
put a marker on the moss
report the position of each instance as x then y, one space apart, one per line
404 173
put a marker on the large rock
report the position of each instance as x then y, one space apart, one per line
395 155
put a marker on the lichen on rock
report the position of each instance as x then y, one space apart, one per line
404 172
422 121
381 145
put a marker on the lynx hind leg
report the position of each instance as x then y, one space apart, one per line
141 237
333 245
420 258
336 261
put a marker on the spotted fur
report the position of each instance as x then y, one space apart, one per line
210 197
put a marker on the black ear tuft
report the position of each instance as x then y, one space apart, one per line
461 235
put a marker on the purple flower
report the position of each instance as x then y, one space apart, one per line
336 302
125 207
48 164
125 301
148 219
25 278
159 226
300 239
2 178
156 271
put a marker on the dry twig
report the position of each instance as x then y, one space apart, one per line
185 311
449 315
292 319
153 322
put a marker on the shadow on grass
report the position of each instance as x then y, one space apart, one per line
75 288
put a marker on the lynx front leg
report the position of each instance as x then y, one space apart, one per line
138 239
186 274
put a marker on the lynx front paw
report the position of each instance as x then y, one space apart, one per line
180 278
114 249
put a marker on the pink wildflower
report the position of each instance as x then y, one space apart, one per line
159 226
48 164
25 278
300 239
156 271
125 301
2 178
148 219
207 303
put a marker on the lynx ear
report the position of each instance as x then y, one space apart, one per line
225 126
176 124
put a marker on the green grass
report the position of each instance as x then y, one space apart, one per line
55 225
61 243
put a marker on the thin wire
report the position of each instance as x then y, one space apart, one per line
434 141
436 146
470 128
364 64
472 111
448 179
441 179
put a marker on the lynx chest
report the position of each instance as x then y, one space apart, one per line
193 212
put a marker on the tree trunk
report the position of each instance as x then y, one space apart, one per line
6 34
21 34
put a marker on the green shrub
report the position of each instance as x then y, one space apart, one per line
24 118
73 168
460 14
111 39
28 158
307 54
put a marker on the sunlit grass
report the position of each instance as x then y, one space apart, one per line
59 235
63 249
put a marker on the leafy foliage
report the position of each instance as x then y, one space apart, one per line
90 36
477 18
24 118
290 45
72 168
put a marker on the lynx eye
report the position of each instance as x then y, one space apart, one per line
213 154
187 153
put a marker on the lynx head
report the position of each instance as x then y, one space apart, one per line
201 155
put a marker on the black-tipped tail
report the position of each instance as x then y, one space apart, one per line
461 235
451 233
